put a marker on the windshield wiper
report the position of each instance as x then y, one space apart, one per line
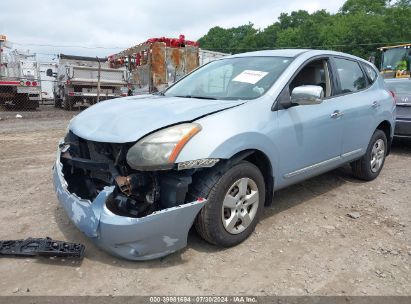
198 97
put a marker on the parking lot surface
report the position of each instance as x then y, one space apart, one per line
306 243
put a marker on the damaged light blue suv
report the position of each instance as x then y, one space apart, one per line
134 174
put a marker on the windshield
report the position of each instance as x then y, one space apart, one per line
394 58
231 78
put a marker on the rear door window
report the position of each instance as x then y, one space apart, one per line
352 78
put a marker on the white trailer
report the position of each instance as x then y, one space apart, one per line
47 82
86 80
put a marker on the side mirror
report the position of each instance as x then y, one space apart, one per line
307 95
50 73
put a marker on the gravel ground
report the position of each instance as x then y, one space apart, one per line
305 243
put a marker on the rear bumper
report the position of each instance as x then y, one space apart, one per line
153 236
29 90
35 98
403 127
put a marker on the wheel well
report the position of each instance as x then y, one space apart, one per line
385 126
263 163
256 157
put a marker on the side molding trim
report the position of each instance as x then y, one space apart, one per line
322 164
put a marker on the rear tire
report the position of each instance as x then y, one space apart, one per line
235 202
370 165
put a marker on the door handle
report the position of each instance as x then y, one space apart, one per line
375 104
336 114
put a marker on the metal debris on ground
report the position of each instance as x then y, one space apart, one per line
41 247
354 215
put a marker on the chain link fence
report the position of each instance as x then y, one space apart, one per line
74 83
20 94
28 95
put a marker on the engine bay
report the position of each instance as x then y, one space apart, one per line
90 166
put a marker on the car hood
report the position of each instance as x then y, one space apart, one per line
128 119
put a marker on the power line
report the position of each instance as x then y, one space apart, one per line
69 46
311 47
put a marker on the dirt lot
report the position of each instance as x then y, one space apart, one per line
305 244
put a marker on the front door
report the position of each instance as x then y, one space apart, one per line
309 136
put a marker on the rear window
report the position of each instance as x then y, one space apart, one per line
370 72
352 78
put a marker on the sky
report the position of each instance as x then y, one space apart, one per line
104 27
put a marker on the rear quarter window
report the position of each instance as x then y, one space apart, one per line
370 73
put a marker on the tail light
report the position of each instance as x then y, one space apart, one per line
28 83
393 97
71 93
34 83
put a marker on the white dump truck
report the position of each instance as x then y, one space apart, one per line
86 80
19 78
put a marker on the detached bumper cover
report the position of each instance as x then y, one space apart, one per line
156 235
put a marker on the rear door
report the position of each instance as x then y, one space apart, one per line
359 103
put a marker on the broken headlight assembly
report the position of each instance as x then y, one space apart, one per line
159 151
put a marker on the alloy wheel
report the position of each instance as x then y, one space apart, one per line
240 205
377 155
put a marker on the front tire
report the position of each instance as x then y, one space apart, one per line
370 165
235 202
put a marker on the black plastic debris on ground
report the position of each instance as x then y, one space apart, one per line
46 247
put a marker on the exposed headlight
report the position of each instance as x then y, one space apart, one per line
160 150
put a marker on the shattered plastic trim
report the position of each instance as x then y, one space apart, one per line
153 236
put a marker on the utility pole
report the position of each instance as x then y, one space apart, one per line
98 79
1 57
3 39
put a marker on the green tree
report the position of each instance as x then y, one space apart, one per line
229 40
358 28
364 6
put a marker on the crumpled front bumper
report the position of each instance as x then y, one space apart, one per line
153 236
